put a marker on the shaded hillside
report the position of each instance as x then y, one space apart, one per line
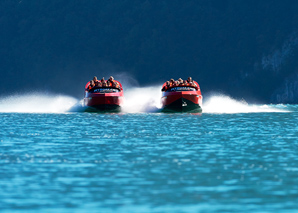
232 46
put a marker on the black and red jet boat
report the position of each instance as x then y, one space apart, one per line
103 98
182 98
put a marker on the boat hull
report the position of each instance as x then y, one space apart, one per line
103 101
185 101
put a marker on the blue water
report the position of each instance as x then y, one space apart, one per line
151 162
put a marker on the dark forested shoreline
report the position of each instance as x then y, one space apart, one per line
247 49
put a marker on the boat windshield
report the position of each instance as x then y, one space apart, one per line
176 89
104 90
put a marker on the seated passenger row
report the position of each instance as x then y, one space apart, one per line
102 83
172 83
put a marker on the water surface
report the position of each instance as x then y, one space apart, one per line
150 162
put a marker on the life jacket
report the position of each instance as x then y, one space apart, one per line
110 83
114 84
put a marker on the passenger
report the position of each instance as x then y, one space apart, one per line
91 85
115 84
189 80
110 81
180 82
97 84
175 84
102 80
185 83
172 81
95 79
166 87
103 83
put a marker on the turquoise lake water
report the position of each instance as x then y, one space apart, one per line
245 160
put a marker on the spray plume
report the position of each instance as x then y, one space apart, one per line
225 104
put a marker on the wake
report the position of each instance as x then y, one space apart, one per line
137 100
221 104
37 103
142 99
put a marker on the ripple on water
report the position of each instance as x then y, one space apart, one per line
149 162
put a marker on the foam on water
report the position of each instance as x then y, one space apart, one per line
137 100
37 103
226 104
147 99
142 99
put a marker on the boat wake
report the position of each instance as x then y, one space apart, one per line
142 99
221 104
137 100
37 103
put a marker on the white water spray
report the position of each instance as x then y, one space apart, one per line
37 103
142 99
137 100
225 104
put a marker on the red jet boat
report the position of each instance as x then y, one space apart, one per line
103 98
182 98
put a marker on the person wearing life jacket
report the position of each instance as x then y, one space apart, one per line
166 87
191 82
91 85
103 83
115 84
172 81
180 82
97 84
110 81
189 79
95 79
185 83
